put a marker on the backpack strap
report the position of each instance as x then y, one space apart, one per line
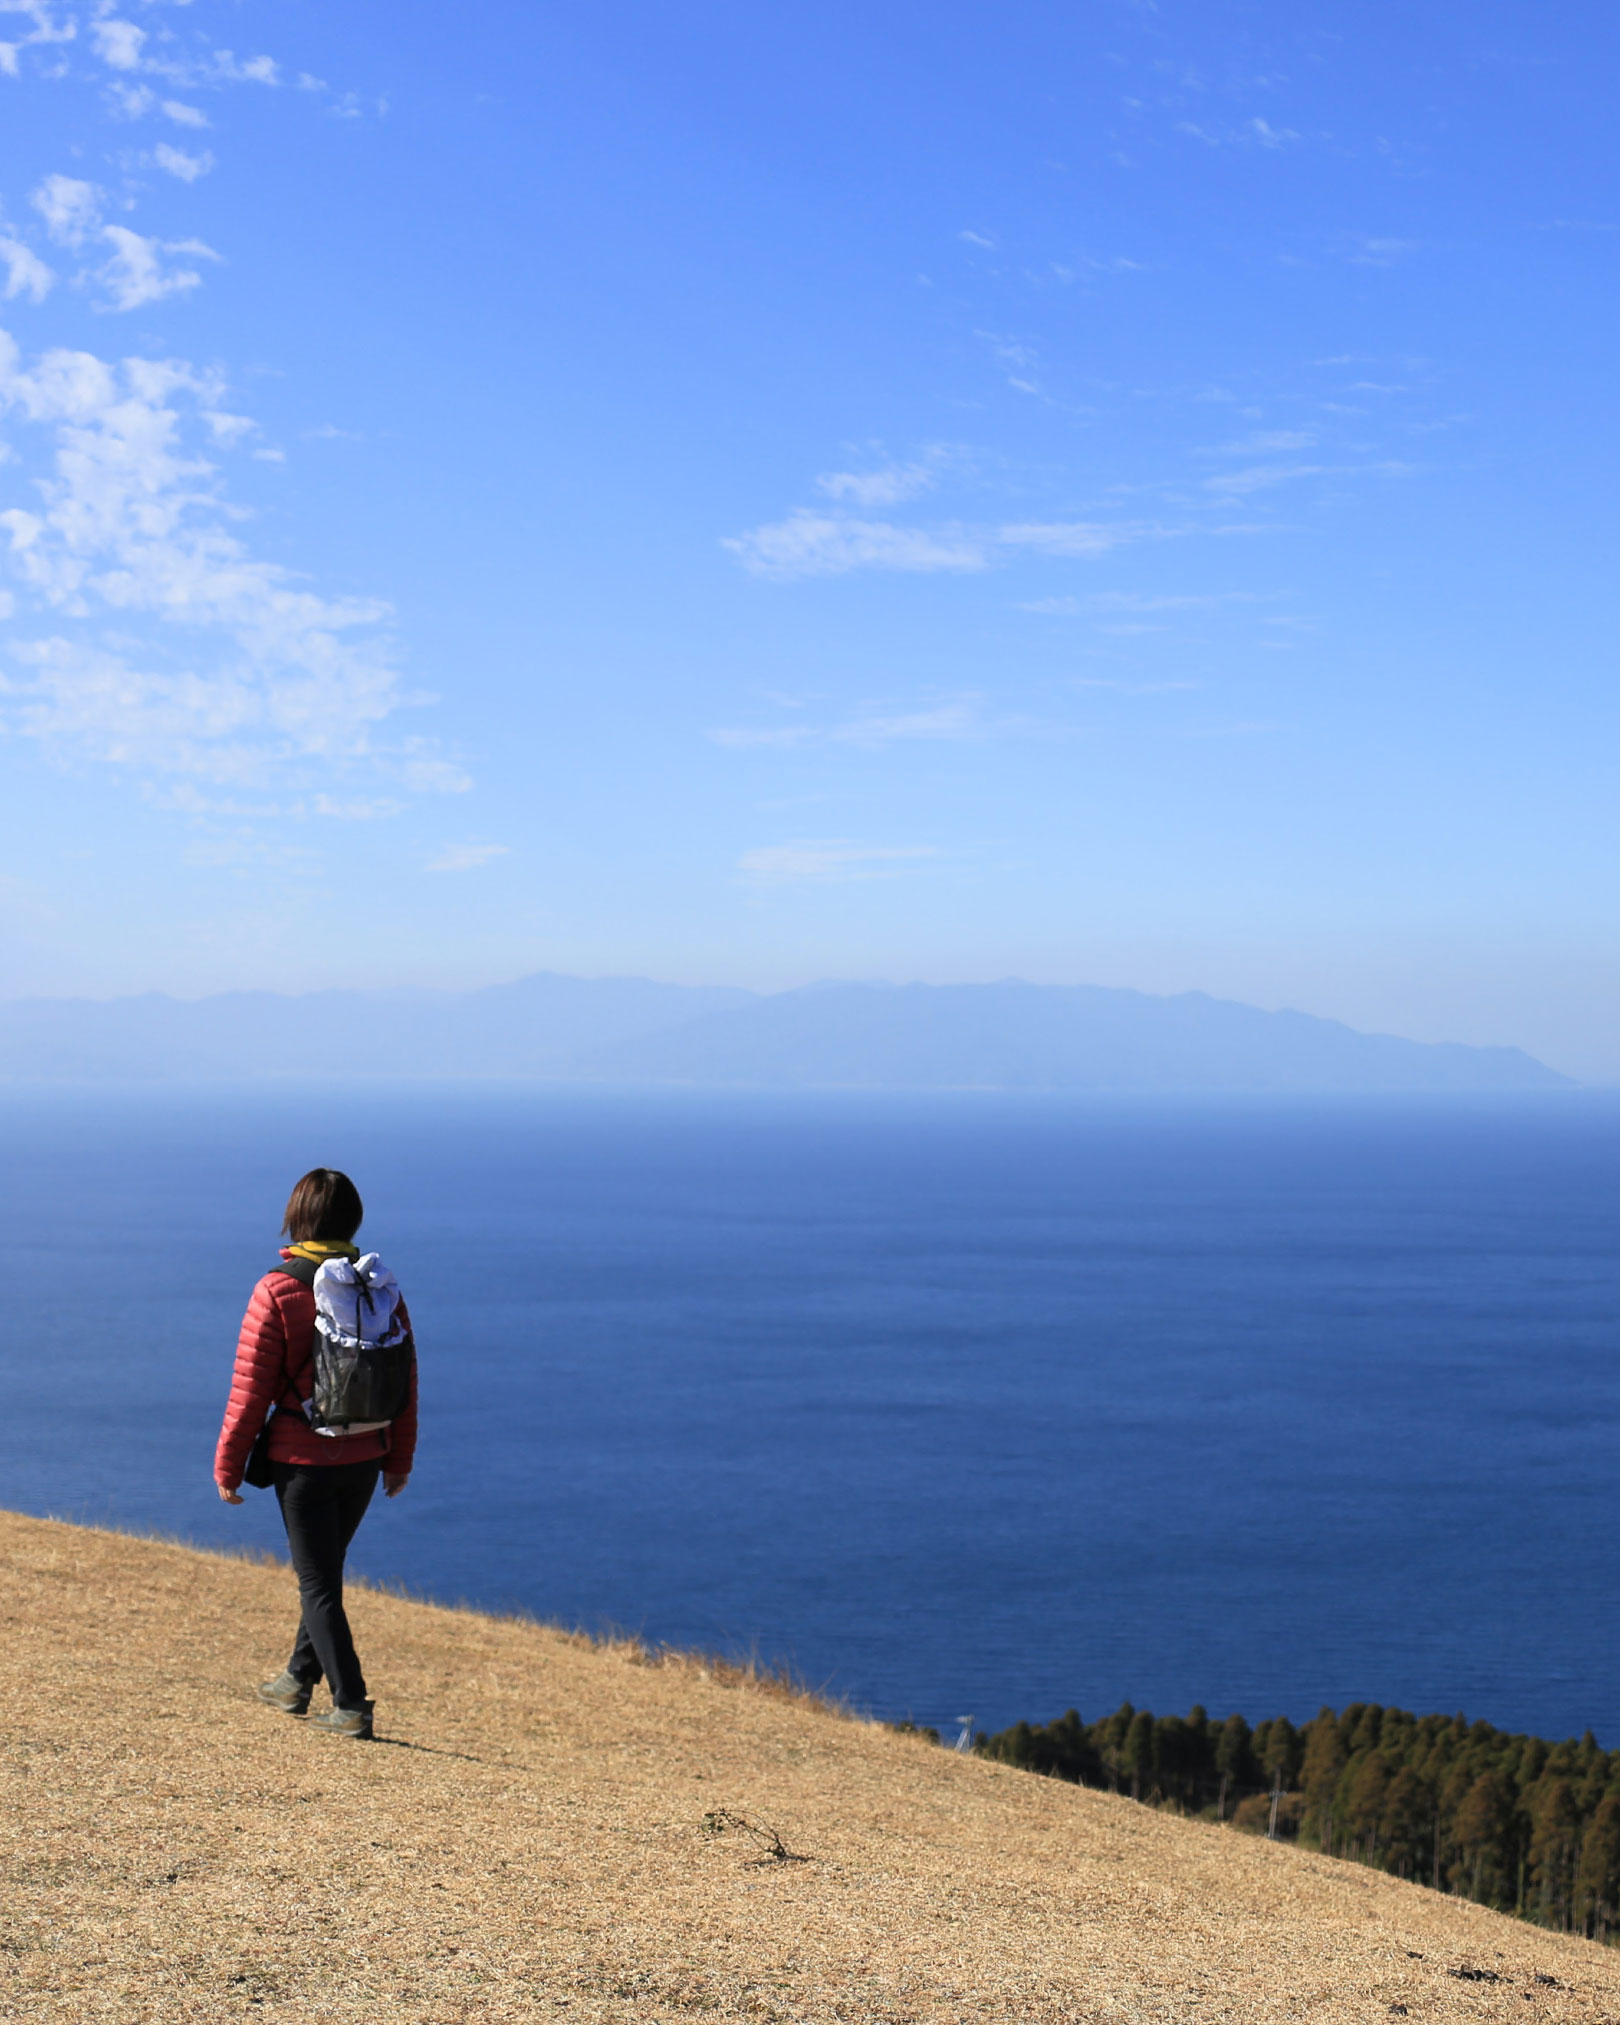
302 1270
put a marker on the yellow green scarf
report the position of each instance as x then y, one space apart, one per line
321 1249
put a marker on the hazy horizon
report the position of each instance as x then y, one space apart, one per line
834 1034
406 990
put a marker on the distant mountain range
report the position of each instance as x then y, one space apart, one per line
1007 1036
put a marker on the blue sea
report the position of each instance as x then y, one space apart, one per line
965 1406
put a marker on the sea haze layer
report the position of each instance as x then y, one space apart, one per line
974 1406
1007 1036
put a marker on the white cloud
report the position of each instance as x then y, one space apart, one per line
45 29
1009 351
26 273
136 274
134 101
1264 440
1253 133
351 106
245 70
118 43
809 544
958 719
1261 478
166 645
123 47
977 239
184 115
886 487
223 426
1070 537
178 163
1382 252
71 208
871 728
466 857
830 861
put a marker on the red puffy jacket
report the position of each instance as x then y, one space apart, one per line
274 1359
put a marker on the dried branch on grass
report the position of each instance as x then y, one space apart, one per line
722 1820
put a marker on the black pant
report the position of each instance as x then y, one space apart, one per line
322 1505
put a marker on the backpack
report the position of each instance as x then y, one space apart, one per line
363 1354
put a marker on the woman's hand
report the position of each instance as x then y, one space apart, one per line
392 1486
231 1497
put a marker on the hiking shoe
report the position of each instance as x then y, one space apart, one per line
284 1693
344 1722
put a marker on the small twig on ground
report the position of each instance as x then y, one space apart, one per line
720 1820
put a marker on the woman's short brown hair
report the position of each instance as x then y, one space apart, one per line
324 1205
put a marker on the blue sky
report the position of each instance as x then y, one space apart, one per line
1104 493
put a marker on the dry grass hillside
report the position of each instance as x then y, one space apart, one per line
527 1844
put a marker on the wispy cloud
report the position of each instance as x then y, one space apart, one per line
150 637
1053 608
466 857
138 270
26 274
1264 441
824 861
869 727
1264 477
1252 133
809 544
1083 538
1382 252
131 56
1260 478
176 162
118 43
887 486
70 207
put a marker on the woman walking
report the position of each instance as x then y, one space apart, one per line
324 1468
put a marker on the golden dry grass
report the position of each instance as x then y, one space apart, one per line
526 1844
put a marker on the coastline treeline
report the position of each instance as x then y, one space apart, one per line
1515 1822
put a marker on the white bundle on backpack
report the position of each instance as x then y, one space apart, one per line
356 1309
357 1301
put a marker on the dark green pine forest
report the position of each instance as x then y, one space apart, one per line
1518 1823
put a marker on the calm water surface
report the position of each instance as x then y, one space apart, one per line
965 1406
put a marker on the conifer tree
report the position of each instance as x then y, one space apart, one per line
1138 1757
1597 1879
1512 1821
1232 1759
